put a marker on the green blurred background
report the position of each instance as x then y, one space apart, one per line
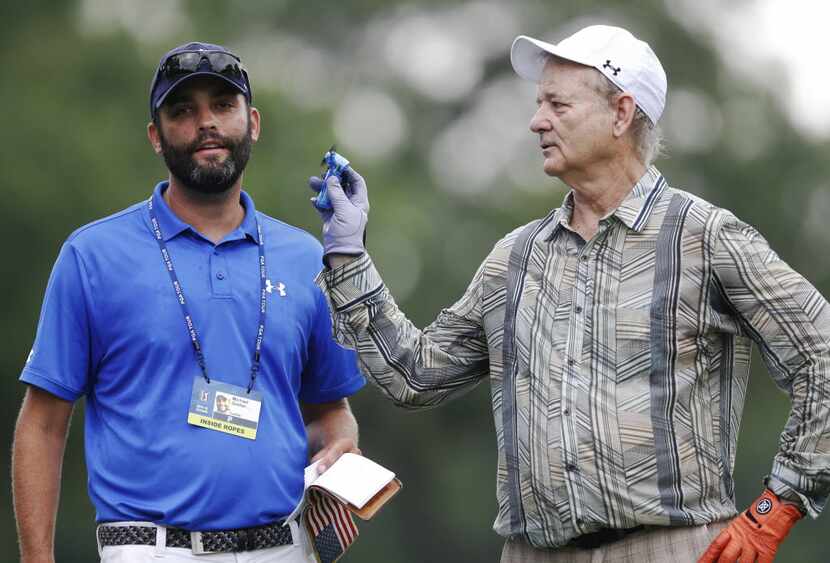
421 97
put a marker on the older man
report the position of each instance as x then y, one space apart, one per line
616 334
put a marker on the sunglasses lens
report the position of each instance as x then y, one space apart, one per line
224 64
185 63
180 64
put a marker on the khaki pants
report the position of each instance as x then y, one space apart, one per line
652 545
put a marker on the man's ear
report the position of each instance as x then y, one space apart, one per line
154 137
624 109
255 123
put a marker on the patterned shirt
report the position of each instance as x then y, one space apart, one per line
618 366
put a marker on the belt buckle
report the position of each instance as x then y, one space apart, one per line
196 545
244 540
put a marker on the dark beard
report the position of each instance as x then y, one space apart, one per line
215 177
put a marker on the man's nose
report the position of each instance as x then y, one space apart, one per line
207 119
540 122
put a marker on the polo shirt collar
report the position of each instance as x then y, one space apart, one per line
169 223
633 212
249 222
172 226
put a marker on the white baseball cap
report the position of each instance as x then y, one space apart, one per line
619 56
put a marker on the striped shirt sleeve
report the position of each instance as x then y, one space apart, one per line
790 321
415 368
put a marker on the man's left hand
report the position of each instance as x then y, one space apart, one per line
756 534
332 452
344 224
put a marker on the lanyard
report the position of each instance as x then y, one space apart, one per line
188 319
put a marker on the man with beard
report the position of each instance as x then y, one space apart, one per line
152 312
616 334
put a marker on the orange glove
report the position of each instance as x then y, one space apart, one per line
755 534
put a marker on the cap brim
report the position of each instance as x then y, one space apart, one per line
527 55
187 77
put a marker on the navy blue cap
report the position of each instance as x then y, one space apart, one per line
162 84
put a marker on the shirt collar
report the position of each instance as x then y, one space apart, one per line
249 222
561 217
171 226
633 212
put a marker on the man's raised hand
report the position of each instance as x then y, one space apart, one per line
345 224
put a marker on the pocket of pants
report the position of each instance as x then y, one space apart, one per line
129 554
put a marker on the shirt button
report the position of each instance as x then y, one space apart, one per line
220 276
572 468
566 411
578 309
584 257
216 253
571 362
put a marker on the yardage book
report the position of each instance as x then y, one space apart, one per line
352 485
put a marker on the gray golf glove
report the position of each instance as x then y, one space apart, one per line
344 225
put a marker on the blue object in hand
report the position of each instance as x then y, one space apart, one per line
335 166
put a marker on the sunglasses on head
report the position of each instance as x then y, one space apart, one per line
180 64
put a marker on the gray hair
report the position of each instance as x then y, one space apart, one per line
647 136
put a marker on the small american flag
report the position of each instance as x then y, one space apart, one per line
330 524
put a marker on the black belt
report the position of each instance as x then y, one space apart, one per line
219 541
602 537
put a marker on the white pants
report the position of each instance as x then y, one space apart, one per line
299 552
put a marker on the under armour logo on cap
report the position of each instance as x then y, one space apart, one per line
615 69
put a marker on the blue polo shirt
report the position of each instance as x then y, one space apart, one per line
111 329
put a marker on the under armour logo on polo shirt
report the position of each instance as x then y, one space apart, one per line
279 287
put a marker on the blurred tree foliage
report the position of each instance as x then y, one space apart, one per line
74 149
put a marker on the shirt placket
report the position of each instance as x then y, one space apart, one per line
574 386
545 369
